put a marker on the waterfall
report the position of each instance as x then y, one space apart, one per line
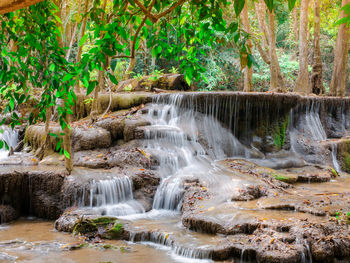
114 197
335 162
185 142
10 137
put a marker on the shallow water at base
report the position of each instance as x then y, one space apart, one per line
36 241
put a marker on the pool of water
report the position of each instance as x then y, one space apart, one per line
36 241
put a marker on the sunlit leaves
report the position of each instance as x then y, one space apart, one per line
346 18
269 4
239 4
291 4
83 40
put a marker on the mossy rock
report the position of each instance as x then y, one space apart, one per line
106 227
286 178
344 154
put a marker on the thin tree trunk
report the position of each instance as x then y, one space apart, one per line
82 31
272 52
100 78
67 131
67 144
71 41
260 9
338 83
248 71
295 25
316 77
268 50
302 83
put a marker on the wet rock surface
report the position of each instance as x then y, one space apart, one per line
32 192
277 203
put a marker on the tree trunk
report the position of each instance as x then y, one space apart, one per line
316 77
132 64
338 83
82 33
302 83
100 77
268 49
272 52
67 131
248 71
67 144
295 24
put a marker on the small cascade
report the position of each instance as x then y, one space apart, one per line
113 197
164 239
185 142
10 137
335 162
308 135
313 122
169 195
109 192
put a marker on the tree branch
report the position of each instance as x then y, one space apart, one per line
172 8
133 45
155 18
147 12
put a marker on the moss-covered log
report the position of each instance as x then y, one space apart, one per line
119 101
151 83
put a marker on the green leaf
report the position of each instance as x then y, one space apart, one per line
66 154
113 64
188 79
83 40
52 67
12 103
91 87
239 4
67 77
1 144
269 4
343 21
291 4
53 135
113 78
346 8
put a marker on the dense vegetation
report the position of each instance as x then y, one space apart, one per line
56 49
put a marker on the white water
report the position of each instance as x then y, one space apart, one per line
10 137
335 162
186 143
314 131
114 197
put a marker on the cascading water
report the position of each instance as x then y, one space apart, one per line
10 137
114 197
312 129
185 143
335 162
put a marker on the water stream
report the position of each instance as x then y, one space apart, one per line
187 144
10 137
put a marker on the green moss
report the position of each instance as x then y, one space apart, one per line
117 227
279 133
84 227
282 178
104 220
109 225
346 163
334 172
